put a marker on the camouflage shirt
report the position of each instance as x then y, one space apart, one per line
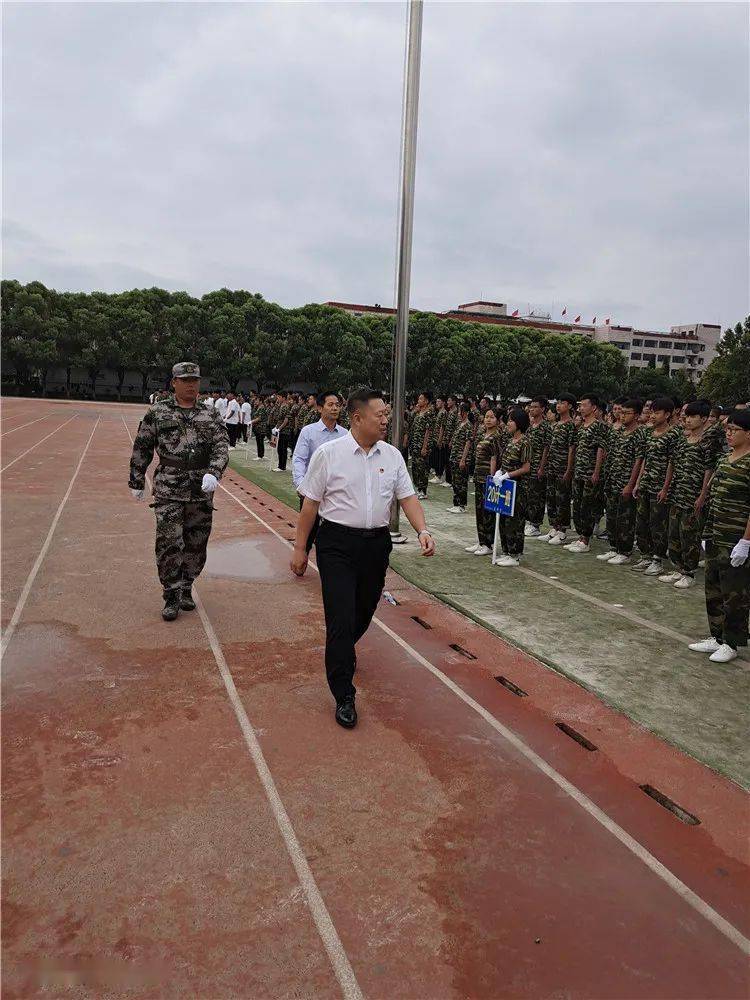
656 452
516 454
539 439
590 439
284 413
625 451
729 503
441 419
485 449
460 437
691 461
563 437
716 438
451 423
421 423
196 436
312 416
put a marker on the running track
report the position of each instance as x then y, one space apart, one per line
183 817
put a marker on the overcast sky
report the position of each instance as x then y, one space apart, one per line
588 155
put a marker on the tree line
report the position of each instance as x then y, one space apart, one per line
238 334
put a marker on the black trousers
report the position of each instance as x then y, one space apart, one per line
352 568
316 524
283 447
233 430
243 432
260 443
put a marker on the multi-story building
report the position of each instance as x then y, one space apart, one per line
690 348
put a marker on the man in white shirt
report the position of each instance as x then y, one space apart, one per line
221 404
311 437
352 483
246 417
232 419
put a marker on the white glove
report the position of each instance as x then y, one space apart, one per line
499 476
137 494
275 432
210 482
740 552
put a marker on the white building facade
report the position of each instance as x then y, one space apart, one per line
690 348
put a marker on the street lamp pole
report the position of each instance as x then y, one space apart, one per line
406 226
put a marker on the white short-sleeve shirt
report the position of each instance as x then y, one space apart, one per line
247 413
355 487
232 414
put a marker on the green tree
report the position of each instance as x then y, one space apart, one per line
727 379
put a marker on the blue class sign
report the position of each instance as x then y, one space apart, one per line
500 499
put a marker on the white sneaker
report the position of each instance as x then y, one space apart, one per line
709 645
279 470
455 510
606 556
531 531
559 538
723 654
684 582
546 536
421 496
482 551
434 480
641 565
448 485
257 459
472 548
670 577
578 547
507 561
654 568
618 560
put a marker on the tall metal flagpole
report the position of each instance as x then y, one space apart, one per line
406 225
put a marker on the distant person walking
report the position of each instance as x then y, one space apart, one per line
232 419
246 417
352 483
311 437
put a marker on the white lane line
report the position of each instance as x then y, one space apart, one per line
637 849
11 627
37 444
14 429
322 918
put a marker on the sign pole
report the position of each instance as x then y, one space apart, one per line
406 224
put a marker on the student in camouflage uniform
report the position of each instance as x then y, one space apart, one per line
420 436
283 417
459 458
591 449
451 422
539 435
487 447
715 432
437 455
727 537
260 427
622 474
516 463
193 448
560 465
294 408
653 488
694 460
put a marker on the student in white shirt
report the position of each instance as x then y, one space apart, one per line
352 483
221 404
232 419
246 417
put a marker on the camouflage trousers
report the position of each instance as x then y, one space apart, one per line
685 528
420 471
621 513
652 527
485 518
537 500
460 484
510 529
558 502
182 531
587 502
727 597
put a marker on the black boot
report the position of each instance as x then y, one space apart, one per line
346 713
171 605
186 600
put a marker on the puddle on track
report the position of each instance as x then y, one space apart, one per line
245 559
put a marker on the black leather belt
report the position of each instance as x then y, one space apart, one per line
181 464
361 532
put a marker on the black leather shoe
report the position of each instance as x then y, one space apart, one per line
186 600
171 606
346 713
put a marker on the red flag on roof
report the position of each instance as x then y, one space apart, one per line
577 319
515 313
565 310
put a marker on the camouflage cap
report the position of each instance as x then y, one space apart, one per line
186 369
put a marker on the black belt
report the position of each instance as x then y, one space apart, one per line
181 464
362 532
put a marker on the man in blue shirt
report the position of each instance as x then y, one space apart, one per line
311 437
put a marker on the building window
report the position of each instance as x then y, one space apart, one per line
636 356
702 347
649 343
637 342
700 361
663 357
622 344
678 361
666 346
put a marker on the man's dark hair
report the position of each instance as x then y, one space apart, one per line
464 407
633 404
621 400
520 418
717 411
664 404
740 418
542 401
698 408
591 397
323 396
360 398
567 397
427 395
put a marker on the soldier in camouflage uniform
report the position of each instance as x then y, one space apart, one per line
437 454
283 418
487 448
459 459
451 422
591 450
653 488
312 413
294 408
622 474
560 465
193 448
727 537
539 436
260 427
514 459
420 436
694 460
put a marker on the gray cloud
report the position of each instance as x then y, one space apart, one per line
594 155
